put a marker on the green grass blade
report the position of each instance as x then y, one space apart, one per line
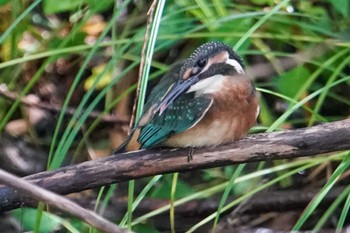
284 97
344 212
220 187
139 198
259 23
227 191
330 183
55 159
148 58
15 23
131 190
172 200
319 71
143 87
249 194
324 94
331 209
285 115
32 82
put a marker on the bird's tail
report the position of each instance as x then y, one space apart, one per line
130 144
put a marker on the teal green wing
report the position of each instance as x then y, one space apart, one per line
183 114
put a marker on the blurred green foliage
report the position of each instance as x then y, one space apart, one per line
35 40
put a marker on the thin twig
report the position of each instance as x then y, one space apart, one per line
142 62
59 202
12 96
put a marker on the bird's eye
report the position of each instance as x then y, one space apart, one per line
199 66
202 62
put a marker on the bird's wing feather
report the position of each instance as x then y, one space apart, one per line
163 86
183 114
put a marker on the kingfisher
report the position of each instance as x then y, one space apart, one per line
205 101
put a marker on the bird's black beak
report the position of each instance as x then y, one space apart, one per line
179 88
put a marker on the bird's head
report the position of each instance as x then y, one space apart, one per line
200 71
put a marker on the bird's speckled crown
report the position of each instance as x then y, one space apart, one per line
207 49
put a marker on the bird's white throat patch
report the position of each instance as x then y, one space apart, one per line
215 83
208 85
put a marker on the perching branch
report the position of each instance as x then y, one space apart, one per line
324 138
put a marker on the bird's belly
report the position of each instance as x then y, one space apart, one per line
212 134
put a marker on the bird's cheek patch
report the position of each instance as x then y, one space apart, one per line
236 65
187 74
195 70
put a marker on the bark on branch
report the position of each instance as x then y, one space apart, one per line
61 203
324 138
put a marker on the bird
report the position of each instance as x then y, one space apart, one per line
205 101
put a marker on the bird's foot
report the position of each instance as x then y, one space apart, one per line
190 152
